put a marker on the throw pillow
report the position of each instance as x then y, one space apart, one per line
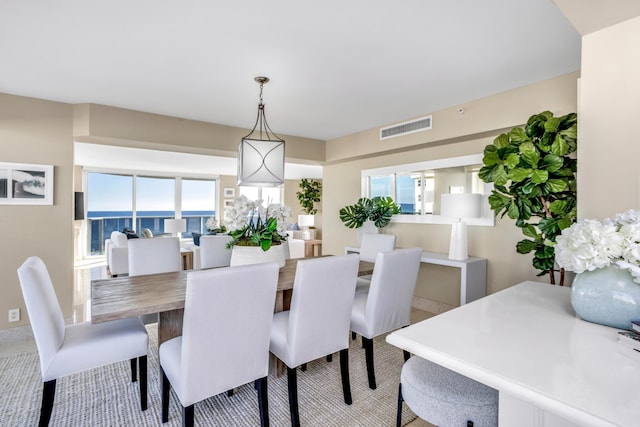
130 233
196 238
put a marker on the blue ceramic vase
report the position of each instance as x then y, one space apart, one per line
607 296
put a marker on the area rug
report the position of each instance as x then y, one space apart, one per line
106 396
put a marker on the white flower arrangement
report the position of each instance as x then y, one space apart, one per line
248 220
591 244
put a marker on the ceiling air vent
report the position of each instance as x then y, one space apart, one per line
406 128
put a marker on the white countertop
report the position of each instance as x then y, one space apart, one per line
527 341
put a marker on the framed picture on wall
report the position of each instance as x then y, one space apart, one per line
26 184
229 192
228 203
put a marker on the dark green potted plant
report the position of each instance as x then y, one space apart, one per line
534 174
309 195
379 210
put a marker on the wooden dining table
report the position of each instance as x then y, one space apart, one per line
164 293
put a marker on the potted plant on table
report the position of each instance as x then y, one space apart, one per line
369 215
257 233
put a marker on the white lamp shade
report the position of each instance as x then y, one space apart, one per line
305 220
261 162
460 205
175 225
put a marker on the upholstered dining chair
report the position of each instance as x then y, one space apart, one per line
225 337
156 255
386 306
214 251
151 256
371 245
66 350
317 324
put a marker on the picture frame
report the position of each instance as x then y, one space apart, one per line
26 184
229 192
228 203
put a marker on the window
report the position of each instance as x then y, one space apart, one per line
155 202
198 203
268 195
116 201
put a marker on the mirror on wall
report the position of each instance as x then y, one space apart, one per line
418 187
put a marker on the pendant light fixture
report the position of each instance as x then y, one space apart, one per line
261 152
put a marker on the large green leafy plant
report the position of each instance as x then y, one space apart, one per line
534 174
309 195
379 210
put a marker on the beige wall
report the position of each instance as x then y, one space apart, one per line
37 132
485 118
609 147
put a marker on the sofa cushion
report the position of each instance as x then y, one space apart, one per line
119 239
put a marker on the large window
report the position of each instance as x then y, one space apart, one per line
268 195
117 201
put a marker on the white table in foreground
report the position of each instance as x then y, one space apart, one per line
550 367
473 272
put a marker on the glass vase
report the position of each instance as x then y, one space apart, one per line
607 296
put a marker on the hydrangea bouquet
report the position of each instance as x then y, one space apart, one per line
252 224
591 244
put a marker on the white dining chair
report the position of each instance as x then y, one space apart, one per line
317 324
371 245
225 337
386 306
66 350
155 255
214 252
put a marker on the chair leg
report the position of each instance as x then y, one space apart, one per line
292 381
263 401
303 367
142 361
48 396
229 393
469 423
329 357
344 373
407 355
166 388
400 400
134 370
187 416
367 343
353 335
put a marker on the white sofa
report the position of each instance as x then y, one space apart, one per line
116 250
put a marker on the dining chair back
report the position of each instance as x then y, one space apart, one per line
372 244
155 255
387 303
66 350
225 336
214 252
317 324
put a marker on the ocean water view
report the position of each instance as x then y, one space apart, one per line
102 223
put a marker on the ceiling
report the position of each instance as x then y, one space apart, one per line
336 67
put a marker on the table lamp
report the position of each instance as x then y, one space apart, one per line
304 222
459 206
175 226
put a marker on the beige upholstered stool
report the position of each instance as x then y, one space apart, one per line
445 398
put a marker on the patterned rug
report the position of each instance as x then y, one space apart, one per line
106 396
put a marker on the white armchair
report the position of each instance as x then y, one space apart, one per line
117 253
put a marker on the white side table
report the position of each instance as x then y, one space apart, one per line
473 272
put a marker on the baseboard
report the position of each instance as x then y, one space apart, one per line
17 334
431 306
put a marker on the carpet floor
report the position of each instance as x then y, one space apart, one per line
106 396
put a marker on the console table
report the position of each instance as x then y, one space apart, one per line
473 272
550 367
